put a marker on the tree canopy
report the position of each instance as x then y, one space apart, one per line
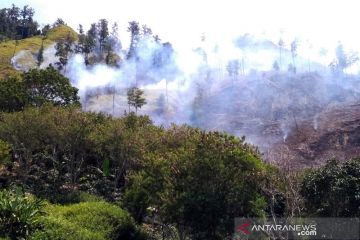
16 23
36 88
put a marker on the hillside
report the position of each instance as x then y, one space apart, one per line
148 139
29 47
333 133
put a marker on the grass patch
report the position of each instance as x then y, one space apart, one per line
61 32
9 49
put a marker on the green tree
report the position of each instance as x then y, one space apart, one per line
89 43
62 54
52 138
123 143
49 86
45 30
135 98
28 27
198 182
40 55
333 190
16 23
109 53
112 45
13 96
134 30
79 47
59 22
64 48
19 215
103 32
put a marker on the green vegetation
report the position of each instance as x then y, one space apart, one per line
36 88
205 181
87 220
19 214
135 98
16 23
333 190
4 152
176 176
49 86
152 164
89 175
9 49
25 217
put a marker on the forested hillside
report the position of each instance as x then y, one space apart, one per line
152 165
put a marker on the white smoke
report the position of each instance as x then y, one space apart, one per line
194 87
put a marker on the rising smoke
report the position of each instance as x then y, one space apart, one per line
228 86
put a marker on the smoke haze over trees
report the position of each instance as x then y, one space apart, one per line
150 140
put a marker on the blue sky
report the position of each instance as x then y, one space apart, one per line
323 23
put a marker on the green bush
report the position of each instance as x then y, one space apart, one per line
199 183
88 220
4 152
333 190
74 197
19 214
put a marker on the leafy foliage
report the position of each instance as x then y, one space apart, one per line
135 98
89 220
13 95
64 48
59 137
199 182
4 152
49 86
37 88
333 190
19 214
31 44
16 23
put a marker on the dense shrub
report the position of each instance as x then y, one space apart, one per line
4 152
49 86
88 220
13 95
37 87
57 137
19 214
333 190
183 173
199 182
74 196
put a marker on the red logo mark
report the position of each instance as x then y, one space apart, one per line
243 227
